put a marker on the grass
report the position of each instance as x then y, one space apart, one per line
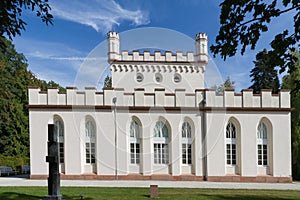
90 193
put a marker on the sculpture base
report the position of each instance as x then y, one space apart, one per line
53 197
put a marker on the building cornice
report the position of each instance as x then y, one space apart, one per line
158 108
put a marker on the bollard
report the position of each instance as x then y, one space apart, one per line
153 191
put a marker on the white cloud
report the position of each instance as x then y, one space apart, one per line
101 15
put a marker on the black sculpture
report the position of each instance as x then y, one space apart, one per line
53 160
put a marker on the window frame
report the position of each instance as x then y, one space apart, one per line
262 145
186 144
139 77
231 144
61 135
135 144
161 144
90 142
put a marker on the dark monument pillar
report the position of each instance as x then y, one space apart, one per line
53 160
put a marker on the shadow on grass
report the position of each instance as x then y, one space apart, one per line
209 194
17 196
239 197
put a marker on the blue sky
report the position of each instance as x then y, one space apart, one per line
57 52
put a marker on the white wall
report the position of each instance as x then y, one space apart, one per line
249 121
191 77
74 141
216 123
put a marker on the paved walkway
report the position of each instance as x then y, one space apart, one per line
23 181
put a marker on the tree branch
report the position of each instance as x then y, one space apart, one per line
256 19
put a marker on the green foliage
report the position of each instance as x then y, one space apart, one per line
228 84
13 161
243 22
290 82
13 100
263 75
107 82
43 85
14 82
11 11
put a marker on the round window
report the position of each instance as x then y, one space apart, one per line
139 77
158 77
177 78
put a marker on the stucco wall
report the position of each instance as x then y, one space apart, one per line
216 123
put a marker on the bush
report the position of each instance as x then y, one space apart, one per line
13 161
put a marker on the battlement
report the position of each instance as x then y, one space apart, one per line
200 36
158 56
114 54
159 98
112 34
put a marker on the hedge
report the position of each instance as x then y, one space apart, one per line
13 161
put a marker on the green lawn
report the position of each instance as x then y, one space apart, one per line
143 193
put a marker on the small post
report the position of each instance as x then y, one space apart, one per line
204 138
53 160
114 100
153 191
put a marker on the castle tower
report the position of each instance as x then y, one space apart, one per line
132 69
201 48
113 46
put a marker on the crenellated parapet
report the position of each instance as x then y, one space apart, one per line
158 56
160 98
114 54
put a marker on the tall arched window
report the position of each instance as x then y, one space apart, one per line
231 144
90 139
186 133
160 142
262 144
134 142
60 128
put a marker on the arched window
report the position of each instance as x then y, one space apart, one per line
186 133
262 144
134 143
160 142
60 132
90 139
230 144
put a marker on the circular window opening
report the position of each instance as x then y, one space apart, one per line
158 77
177 78
139 77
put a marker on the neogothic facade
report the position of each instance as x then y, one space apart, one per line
158 122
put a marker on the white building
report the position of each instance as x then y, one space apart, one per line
165 125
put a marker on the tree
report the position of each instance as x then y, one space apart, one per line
11 23
263 75
14 82
227 84
243 22
291 81
107 82
13 120
11 11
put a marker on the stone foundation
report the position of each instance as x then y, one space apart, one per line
165 177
